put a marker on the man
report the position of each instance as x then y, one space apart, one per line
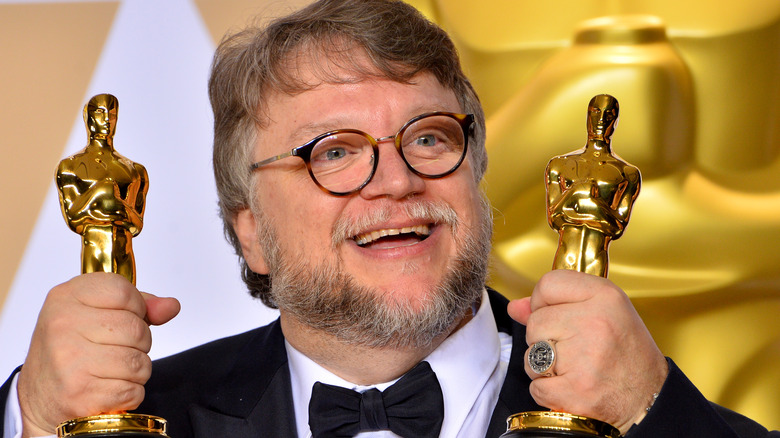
349 147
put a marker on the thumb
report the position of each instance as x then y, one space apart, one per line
520 309
160 310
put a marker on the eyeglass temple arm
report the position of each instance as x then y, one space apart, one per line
272 159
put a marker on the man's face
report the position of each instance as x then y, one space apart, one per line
402 270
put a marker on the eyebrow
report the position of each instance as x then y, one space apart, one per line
308 131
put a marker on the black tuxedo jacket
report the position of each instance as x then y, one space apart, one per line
240 387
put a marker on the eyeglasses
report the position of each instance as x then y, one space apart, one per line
343 161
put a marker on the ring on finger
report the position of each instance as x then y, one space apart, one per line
541 358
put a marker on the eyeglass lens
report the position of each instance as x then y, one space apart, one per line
431 146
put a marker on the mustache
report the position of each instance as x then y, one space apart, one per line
436 212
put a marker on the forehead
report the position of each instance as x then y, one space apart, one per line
603 102
341 62
374 104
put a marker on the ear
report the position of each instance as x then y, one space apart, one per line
245 226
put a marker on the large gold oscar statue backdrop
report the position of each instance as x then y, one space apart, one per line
699 88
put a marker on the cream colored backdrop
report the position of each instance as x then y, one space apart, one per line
711 301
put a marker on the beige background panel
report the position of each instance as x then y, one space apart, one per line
222 16
45 73
155 58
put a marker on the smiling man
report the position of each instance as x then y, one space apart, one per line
348 152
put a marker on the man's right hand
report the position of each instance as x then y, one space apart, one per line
88 353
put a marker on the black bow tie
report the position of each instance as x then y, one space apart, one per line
411 407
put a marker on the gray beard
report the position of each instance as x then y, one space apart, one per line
327 299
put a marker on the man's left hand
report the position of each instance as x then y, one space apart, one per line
607 364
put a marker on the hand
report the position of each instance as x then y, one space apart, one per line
88 353
607 365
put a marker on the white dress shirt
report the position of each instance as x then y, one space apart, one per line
13 414
470 364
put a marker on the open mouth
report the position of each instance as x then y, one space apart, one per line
393 237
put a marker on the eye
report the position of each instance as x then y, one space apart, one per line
425 140
339 149
335 153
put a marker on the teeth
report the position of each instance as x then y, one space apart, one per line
366 238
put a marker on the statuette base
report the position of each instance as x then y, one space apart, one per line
114 426
547 424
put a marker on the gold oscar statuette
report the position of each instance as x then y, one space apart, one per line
102 195
590 193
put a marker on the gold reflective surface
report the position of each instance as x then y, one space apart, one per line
102 194
559 422
112 423
699 87
590 194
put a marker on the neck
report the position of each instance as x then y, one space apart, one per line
358 364
598 144
101 141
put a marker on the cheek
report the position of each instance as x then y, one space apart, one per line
304 220
467 194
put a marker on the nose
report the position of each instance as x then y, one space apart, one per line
393 178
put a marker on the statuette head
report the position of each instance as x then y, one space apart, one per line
100 116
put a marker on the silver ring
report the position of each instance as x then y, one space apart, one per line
541 358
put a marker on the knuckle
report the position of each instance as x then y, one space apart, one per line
57 293
128 396
140 366
531 324
601 326
55 324
539 393
123 295
546 281
114 396
75 387
138 331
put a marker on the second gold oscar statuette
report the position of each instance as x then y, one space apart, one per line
102 195
590 193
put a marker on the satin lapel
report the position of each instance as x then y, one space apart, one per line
514 396
256 398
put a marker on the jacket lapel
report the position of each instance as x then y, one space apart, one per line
256 398
514 396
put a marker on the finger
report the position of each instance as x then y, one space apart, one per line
546 391
566 394
98 396
119 363
160 310
105 290
560 322
556 370
520 309
528 370
109 396
115 327
565 286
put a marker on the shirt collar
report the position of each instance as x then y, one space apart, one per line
471 355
